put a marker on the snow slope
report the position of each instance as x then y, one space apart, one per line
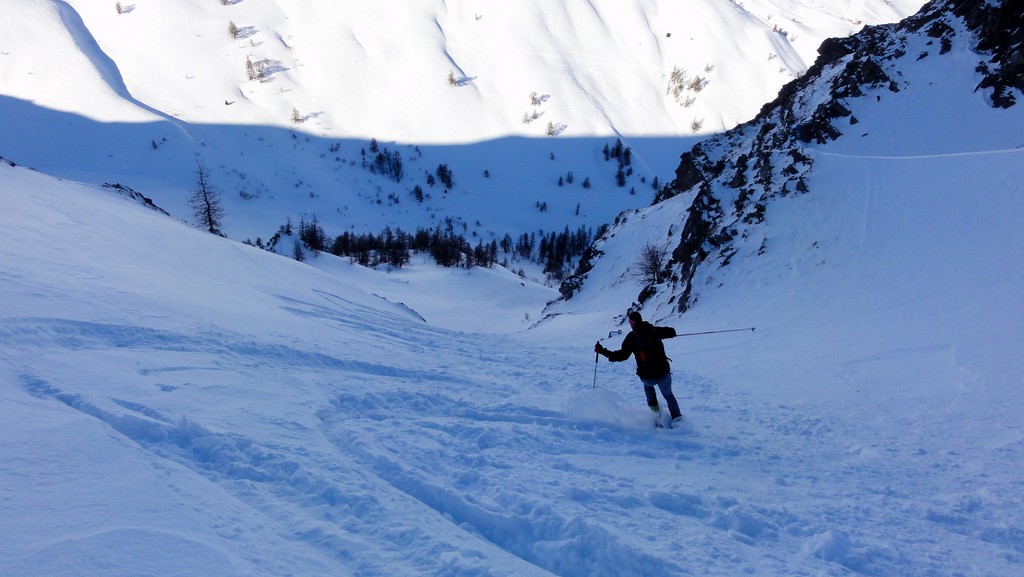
176 403
139 97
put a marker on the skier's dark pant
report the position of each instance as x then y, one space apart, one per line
664 384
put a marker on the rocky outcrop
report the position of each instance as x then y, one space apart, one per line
737 174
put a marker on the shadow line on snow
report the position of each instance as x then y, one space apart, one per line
296 172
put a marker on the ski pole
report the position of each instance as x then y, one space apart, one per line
751 329
595 366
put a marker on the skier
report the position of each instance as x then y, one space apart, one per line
652 366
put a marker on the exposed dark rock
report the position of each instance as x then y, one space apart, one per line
765 158
134 195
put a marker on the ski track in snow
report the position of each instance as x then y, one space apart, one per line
528 481
1018 150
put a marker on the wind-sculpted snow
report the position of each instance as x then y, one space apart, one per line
83 39
105 67
77 335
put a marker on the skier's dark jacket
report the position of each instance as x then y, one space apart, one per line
644 343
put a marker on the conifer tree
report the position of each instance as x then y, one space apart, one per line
205 202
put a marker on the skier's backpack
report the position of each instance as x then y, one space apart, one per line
650 351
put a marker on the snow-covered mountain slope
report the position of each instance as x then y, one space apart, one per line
138 97
872 97
867 223
381 69
177 403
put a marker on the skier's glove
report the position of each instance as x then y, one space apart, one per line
600 350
